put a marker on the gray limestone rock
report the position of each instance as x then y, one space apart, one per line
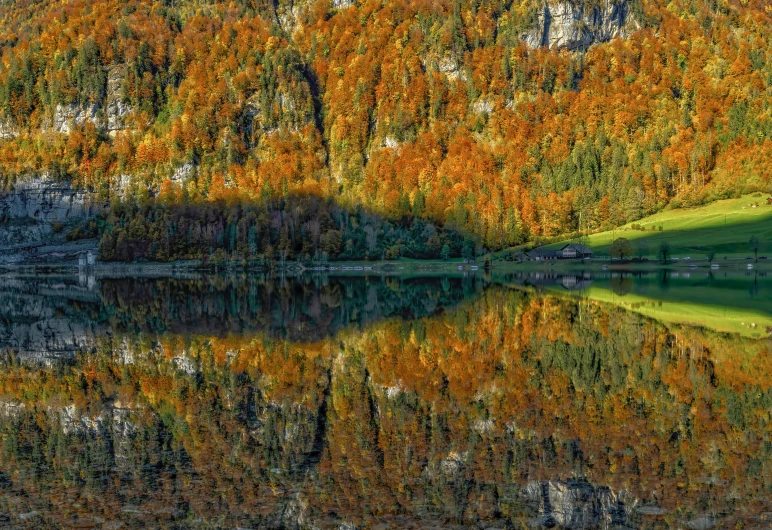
67 117
183 173
575 25
258 118
7 130
705 522
110 118
43 199
15 234
116 109
483 106
11 409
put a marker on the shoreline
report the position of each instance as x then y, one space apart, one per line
393 267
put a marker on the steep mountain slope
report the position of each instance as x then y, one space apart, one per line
510 120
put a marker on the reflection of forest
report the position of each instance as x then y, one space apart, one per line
55 317
511 409
302 309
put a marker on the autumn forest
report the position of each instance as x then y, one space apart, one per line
440 113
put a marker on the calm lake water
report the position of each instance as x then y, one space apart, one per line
486 401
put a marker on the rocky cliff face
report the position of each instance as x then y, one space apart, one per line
67 117
111 118
41 198
30 211
33 217
16 234
7 130
116 109
576 25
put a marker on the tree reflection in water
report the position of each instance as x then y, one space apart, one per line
263 406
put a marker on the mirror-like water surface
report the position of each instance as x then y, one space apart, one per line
531 400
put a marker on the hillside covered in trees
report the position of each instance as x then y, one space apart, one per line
503 120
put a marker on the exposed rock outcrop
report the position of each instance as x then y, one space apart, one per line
253 120
110 118
116 109
342 4
260 117
483 106
43 199
37 214
68 117
11 409
295 514
114 419
15 234
7 130
577 25
182 173
451 67
450 468
289 14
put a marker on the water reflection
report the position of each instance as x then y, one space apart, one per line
53 317
487 407
720 301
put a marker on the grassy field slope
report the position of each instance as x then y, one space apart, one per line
723 226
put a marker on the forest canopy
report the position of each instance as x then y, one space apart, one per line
433 110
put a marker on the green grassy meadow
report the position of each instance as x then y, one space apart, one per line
723 226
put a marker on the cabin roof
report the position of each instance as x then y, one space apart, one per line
577 247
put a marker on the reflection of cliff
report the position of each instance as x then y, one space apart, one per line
45 322
52 318
512 409
577 503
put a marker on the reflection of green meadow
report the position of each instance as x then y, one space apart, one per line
723 226
733 305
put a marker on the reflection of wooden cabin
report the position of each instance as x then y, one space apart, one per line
575 283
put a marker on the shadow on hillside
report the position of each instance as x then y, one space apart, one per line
304 228
732 240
